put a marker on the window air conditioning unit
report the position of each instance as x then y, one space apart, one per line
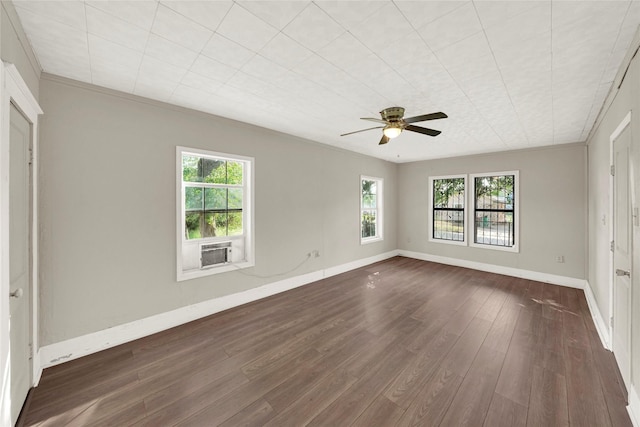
212 254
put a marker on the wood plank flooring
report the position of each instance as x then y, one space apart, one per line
398 343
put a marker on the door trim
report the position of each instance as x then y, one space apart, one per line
14 90
626 121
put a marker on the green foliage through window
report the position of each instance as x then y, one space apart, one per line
213 196
370 204
448 209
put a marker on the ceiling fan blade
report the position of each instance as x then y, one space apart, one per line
426 131
362 130
371 119
425 117
384 140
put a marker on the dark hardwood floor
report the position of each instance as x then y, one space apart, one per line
397 343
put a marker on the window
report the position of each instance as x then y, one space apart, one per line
495 210
215 212
370 209
448 209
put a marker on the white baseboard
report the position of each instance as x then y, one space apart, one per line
570 282
598 320
633 408
74 348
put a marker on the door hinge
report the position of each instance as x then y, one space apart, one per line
613 170
612 243
611 322
30 351
30 156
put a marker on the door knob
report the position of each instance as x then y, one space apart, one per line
17 293
623 273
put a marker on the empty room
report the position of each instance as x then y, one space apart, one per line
328 213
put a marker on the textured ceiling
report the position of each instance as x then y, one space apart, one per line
510 74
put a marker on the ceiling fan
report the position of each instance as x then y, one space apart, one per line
394 123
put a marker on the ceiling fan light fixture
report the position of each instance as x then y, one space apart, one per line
392 131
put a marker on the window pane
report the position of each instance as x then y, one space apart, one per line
369 201
235 223
368 224
448 225
215 198
214 171
234 173
368 187
235 198
215 224
193 222
193 198
494 192
190 170
494 228
448 193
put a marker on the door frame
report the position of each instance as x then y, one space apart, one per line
626 122
14 90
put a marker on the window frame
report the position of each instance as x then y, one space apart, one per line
247 214
516 212
464 210
379 236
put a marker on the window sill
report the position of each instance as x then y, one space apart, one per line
194 274
514 248
370 240
448 242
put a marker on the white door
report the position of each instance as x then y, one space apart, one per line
622 254
20 259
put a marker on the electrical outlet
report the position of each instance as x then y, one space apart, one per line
316 253
560 259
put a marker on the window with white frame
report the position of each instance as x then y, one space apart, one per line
215 212
371 193
495 210
447 206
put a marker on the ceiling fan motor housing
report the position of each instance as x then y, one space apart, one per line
392 114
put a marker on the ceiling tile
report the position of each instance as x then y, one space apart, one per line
166 50
371 32
345 51
420 13
451 28
112 57
285 51
190 97
227 51
212 69
138 13
352 13
116 30
460 53
276 13
175 27
524 26
313 28
61 49
264 69
492 13
200 82
209 14
70 13
153 70
246 29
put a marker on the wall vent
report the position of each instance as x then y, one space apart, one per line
212 254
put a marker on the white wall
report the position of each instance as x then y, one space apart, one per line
619 103
108 218
552 208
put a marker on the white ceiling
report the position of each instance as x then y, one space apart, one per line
510 74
